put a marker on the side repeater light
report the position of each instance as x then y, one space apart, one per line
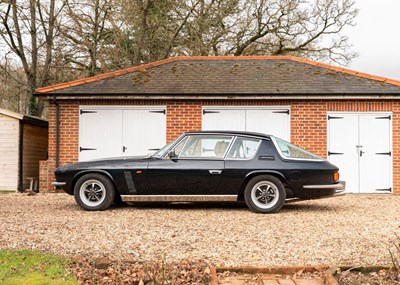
336 176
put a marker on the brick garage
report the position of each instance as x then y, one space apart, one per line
316 97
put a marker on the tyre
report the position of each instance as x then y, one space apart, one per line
94 192
265 194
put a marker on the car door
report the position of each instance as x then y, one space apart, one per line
196 169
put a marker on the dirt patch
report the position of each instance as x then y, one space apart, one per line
382 277
185 272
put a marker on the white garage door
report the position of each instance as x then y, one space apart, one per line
120 131
360 145
271 120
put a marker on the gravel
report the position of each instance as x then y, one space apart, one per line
354 229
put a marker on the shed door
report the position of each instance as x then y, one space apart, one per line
273 121
360 145
119 131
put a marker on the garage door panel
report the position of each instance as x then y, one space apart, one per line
272 122
224 120
120 131
268 121
98 135
143 130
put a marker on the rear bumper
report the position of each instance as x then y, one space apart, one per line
341 186
321 192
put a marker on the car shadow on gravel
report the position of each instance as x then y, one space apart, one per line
236 206
313 207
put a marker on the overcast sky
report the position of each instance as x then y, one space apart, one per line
376 38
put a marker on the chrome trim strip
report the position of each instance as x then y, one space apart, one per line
58 184
339 186
179 198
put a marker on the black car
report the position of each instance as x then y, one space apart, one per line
260 169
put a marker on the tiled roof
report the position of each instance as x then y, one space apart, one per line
245 75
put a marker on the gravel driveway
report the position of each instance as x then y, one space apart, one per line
350 229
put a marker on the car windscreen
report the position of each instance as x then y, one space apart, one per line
159 153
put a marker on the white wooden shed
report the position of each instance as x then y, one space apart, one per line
23 142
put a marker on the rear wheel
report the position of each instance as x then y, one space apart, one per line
265 194
94 192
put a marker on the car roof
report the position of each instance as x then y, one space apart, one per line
235 133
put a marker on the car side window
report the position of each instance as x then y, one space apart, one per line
243 148
289 150
205 146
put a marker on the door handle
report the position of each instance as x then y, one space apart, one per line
361 152
124 148
214 171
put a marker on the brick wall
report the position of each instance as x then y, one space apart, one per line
183 116
308 124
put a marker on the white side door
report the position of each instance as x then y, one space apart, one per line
144 130
375 153
100 133
360 145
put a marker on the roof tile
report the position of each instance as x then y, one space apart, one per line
247 75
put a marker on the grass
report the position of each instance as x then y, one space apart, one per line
33 267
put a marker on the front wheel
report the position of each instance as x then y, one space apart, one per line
265 194
94 192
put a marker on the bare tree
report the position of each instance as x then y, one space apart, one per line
12 90
309 29
28 31
153 29
54 41
91 33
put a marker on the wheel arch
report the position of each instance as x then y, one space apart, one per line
255 173
95 171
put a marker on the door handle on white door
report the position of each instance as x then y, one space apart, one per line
361 152
214 171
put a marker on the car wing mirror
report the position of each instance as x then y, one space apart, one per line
172 154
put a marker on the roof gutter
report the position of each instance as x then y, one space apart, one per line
57 130
21 157
46 96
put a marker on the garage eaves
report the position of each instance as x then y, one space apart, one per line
228 77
